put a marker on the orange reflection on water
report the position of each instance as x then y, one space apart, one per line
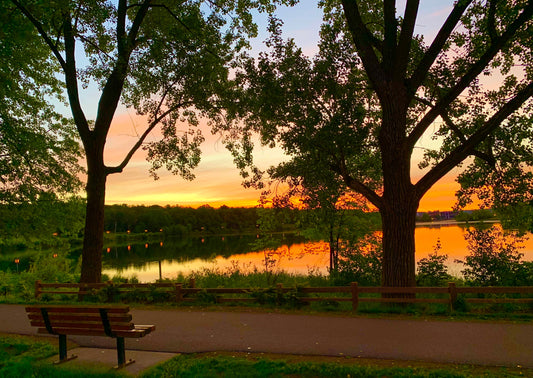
312 256
298 258
452 241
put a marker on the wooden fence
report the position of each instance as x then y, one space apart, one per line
180 292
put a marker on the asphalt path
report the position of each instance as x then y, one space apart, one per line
184 331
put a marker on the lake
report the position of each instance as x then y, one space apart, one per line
150 261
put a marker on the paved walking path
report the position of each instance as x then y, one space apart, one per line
183 331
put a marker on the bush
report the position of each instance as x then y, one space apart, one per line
432 270
494 259
460 304
46 268
360 262
275 297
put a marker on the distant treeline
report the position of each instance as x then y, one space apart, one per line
180 220
45 220
461 216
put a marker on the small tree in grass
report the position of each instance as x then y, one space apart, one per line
494 259
432 270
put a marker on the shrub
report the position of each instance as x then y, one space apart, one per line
460 304
360 262
432 270
494 259
274 297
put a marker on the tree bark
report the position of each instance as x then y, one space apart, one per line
400 200
93 241
398 225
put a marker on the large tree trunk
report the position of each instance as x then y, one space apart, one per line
400 200
93 241
398 223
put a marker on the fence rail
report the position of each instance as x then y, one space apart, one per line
187 292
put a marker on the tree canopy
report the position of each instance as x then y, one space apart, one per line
357 111
167 60
39 150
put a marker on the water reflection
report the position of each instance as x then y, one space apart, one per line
151 261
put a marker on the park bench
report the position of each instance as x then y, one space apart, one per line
111 321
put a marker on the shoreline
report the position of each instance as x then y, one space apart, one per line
453 222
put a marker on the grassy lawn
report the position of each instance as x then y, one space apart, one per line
24 356
268 365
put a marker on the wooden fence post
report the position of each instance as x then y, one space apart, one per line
37 289
179 294
453 294
192 283
355 295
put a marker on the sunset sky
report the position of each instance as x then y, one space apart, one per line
217 180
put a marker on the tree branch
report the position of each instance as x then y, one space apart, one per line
406 36
491 21
436 46
363 40
93 44
42 32
142 138
121 26
198 32
487 157
113 88
471 74
468 147
71 80
389 43
357 185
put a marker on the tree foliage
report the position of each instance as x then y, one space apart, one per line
180 220
494 259
39 150
377 90
167 60
42 219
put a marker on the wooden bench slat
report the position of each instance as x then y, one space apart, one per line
81 317
92 325
135 333
78 309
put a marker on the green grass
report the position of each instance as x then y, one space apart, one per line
24 356
253 366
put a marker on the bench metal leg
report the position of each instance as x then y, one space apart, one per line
62 347
121 354
63 350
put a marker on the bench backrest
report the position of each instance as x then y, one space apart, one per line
81 320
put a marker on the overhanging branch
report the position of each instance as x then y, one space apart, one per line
42 33
357 185
436 46
119 168
470 75
468 147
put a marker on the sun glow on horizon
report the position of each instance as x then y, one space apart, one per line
217 181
